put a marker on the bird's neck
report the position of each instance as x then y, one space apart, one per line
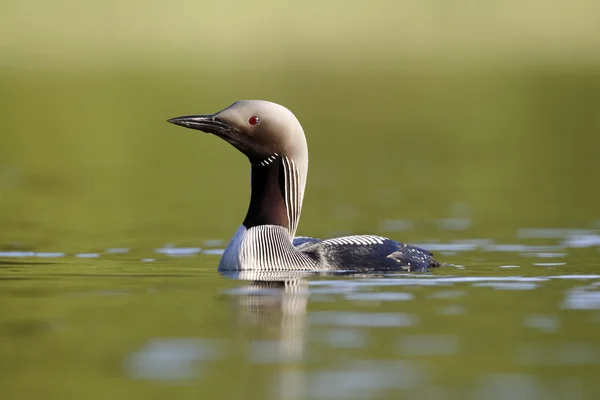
277 193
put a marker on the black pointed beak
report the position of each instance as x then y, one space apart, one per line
204 123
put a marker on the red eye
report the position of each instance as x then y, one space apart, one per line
253 121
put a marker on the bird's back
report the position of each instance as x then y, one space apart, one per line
365 253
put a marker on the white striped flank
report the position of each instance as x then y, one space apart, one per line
293 194
359 240
266 248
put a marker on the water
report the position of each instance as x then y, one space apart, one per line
114 322
112 223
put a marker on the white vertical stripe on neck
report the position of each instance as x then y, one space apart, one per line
293 194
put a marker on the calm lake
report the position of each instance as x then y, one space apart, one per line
112 222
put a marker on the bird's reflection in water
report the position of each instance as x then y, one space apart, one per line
271 308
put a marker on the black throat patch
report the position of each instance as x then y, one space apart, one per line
267 200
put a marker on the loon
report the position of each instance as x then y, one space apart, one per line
274 142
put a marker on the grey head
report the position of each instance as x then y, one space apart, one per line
274 142
257 128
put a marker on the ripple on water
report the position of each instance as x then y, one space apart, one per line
447 253
423 281
452 309
171 359
363 319
345 338
582 298
447 294
507 285
337 289
576 277
50 255
497 282
580 240
454 224
551 233
550 354
178 251
506 248
544 323
556 264
544 255
437 247
87 255
17 254
117 250
365 379
428 345
509 386
214 243
380 296
213 252
275 351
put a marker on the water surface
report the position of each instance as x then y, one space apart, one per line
120 322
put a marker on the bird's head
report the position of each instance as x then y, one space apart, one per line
259 129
